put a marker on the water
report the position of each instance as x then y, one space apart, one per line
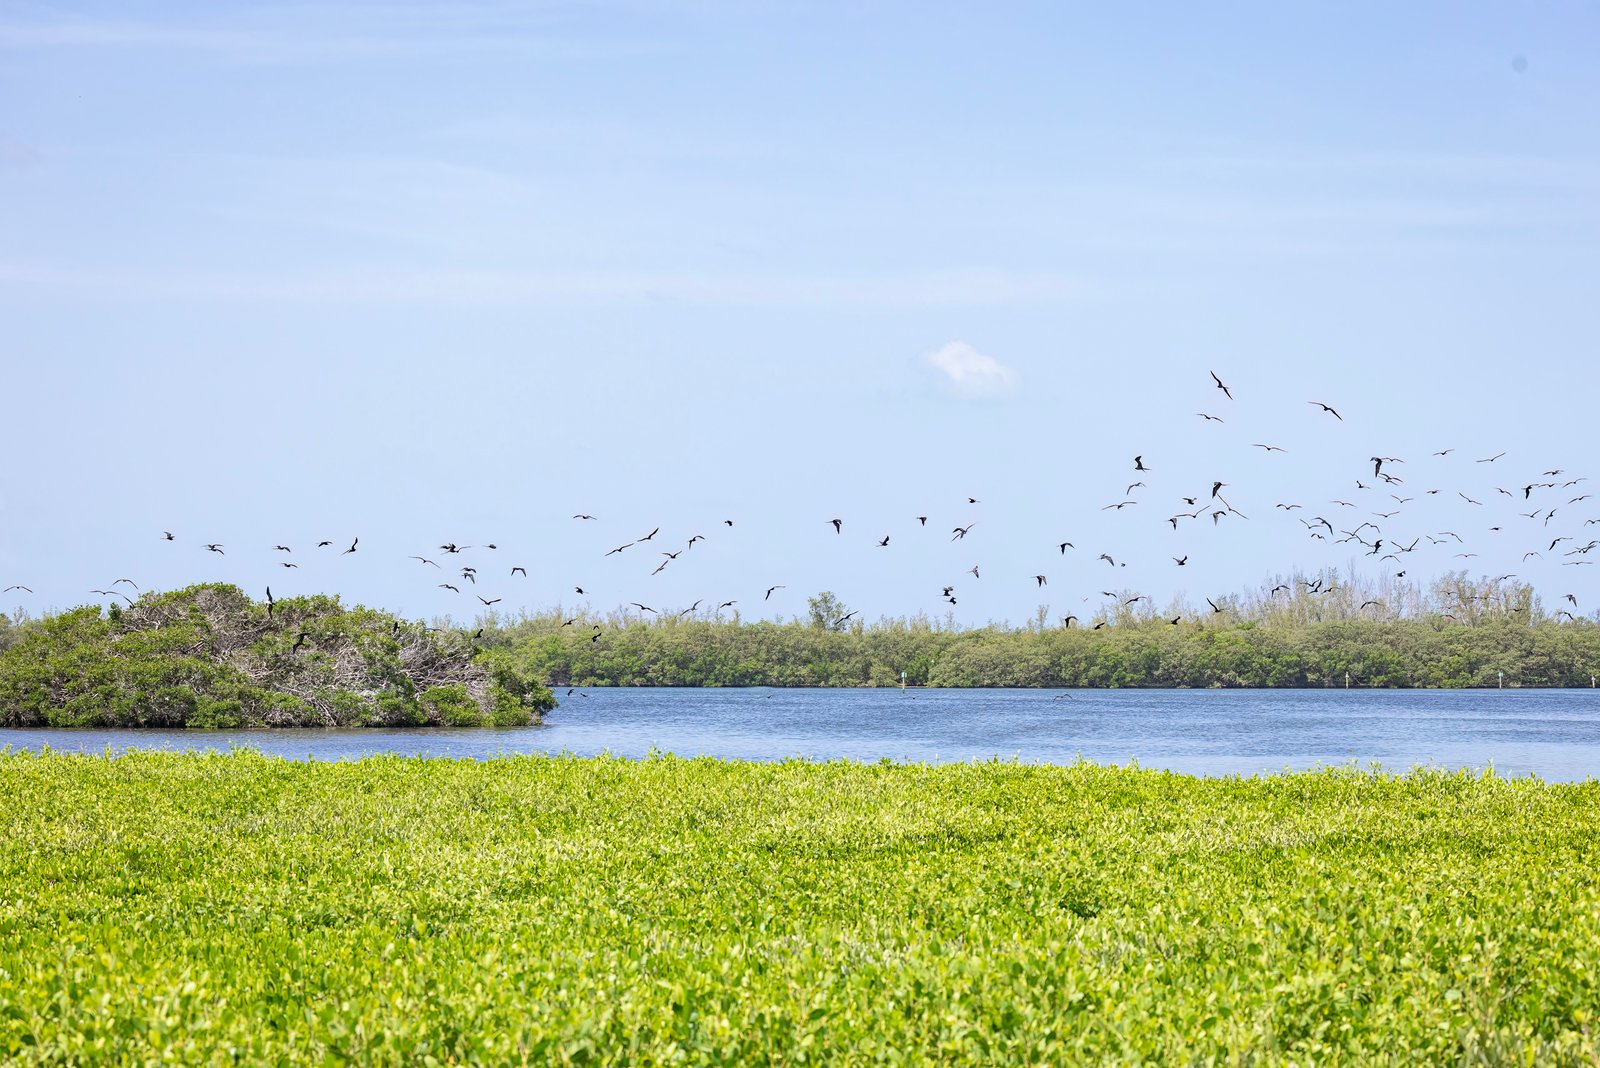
1554 734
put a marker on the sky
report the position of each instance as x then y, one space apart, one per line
418 274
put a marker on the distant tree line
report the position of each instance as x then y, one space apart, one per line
1313 632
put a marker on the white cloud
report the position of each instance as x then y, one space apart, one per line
969 372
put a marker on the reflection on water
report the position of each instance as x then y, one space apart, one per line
1551 733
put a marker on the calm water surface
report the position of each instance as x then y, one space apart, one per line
1551 733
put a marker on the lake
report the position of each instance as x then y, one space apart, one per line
1554 734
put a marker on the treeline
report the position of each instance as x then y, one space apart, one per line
1296 631
1399 653
208 656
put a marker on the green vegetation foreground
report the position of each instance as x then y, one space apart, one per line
214 908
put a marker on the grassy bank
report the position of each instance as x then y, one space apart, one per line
395 911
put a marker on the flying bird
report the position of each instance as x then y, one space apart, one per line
352 548
770 590
1327 409
838 525
1226 391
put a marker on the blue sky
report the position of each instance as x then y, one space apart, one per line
455 272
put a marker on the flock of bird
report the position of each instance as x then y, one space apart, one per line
1372 515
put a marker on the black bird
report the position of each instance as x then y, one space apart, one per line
1228 392
838 525
166 535
583 515
845 618
884 542
650 535
1214 608
727 522
352 548
960 532
447 586
643 607
1138 464
594 637
323 544
135 585
1269 448
488 603
271 604
1490 459
19 586
618 549
1215 487
577 589
1064 546
726 604
923 520
973 500
1327 409
1041 580
1066 621
1175 620
570 622
689 610
770 590
1211 418
216 547
287 564
299 640
523 570
975 571
1180 560
449 547
424 559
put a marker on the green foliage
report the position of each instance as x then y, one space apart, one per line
1219 652
209 657
165 908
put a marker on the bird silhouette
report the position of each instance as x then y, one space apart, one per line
1327 409
771 590
838 525
1226 391
216 547
352 548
